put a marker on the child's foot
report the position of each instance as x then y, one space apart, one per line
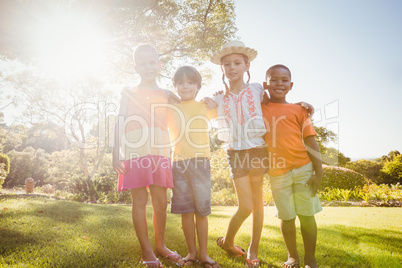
235 250
190 259
310 263
171 256
154 264
252 255
252 262
209 263
291 263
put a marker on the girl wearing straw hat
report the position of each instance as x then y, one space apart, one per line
242 127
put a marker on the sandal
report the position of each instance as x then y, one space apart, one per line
206 264
155 263
240 251
291 265
174 258
253 263
189 262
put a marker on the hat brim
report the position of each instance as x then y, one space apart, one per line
249 52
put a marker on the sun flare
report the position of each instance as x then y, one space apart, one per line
69 45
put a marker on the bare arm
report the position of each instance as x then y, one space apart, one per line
172 98
118 131
314 153
211 104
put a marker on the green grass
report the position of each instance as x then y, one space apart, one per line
38 232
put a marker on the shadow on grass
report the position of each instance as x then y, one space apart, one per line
112 242
343 246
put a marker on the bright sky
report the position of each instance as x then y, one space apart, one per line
346 60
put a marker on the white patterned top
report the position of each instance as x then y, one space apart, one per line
240 122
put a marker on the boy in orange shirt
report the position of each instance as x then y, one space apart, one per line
295 165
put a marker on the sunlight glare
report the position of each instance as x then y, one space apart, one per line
69 46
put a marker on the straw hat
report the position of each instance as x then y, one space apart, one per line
232 47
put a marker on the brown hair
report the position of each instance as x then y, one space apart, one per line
189 72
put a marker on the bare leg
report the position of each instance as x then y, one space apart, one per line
258 216
140 198
288 229
308 228
159 204
202 233
244 197
187 221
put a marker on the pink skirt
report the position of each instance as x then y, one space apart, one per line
145 171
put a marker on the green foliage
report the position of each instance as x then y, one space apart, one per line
4 159
345 194
3 174
391 172
370 169
323 137
38 232
333 157
29 163
370 193
342 178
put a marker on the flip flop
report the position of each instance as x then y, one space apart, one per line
189 262
174 258
206 264
154 263
240 251
292 265
253 263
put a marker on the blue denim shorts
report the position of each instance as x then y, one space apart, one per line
191 191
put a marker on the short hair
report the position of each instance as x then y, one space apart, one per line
190 73
141 48
277 66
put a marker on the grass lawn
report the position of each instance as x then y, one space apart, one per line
38 232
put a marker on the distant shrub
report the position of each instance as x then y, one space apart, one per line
4 168
4 159
342 178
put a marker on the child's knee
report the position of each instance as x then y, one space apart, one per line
306 220
245 209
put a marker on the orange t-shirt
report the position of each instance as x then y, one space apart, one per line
287 125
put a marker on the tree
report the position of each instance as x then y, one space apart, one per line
29 163
4 168
334 157
186 30
330 156
183 28
391 172
370 169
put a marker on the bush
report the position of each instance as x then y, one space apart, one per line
4 168
391 172
342 178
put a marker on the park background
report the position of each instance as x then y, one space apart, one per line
63 65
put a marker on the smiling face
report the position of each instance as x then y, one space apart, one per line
235 65
147 63
186 88
279 84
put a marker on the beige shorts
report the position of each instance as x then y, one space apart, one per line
291 195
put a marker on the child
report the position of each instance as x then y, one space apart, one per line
242 127
295 170
141 154
191 195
